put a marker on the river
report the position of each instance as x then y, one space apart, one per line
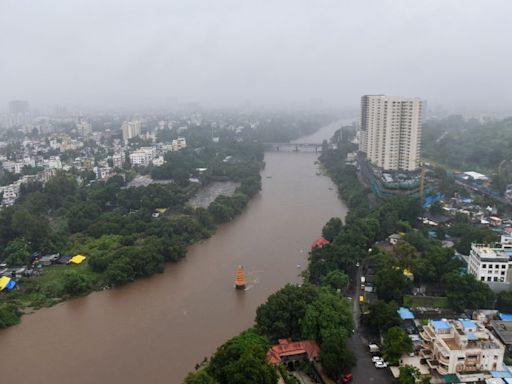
156 329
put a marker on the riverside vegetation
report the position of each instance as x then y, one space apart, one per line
112 224
317 310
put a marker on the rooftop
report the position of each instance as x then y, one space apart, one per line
405 313
440 324
287 347
503 329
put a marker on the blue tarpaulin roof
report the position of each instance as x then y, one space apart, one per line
468 324
505 316
439 324
471 336
501 374
405 313
11 284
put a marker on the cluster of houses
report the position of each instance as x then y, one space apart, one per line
40 154
468 348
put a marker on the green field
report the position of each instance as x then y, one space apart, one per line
426 301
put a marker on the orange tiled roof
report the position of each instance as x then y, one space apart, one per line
287 347
321 242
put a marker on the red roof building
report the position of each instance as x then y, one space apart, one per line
321 242
290 351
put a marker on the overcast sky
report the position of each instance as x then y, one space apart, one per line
267 52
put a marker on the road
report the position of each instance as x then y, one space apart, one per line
364 372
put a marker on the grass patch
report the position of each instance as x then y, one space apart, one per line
48 288
426 301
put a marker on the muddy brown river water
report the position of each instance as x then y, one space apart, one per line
155 330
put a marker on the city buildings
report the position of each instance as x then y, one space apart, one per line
389 143
179 143
141 157
491 263
131 129
118 159
460 347
390 132
84 128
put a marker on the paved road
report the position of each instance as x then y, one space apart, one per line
365 371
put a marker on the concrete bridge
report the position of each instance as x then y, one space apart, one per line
294 147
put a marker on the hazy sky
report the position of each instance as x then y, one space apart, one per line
222 52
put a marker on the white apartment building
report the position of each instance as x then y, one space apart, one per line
141 158
118 159
53 162
491 263
460 347
390 131
131 129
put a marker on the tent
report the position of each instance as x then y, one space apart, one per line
11 284
4 281
77 259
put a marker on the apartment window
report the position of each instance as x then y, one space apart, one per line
489 278
503 266
495 278
484 265
490 266
502 273
497 266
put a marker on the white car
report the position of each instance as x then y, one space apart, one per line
376 359
381 364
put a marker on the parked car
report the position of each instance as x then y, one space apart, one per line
347 378
377 358
381 364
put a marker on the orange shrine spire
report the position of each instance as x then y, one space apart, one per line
240 278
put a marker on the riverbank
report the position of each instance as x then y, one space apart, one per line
123 245
177 318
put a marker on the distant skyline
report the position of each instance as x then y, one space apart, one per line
134 54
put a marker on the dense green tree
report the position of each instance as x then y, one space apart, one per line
412 375
504 303
242 360
337 280
199 377
332 228
382 316
75 283
336 358
9 315
280 316
17 253
328 312
59 187
391 284
465 292
396 343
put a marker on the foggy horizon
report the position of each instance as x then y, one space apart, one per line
227 54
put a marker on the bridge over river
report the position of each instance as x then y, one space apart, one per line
294 147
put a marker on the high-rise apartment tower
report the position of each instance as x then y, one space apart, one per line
131 129
390 132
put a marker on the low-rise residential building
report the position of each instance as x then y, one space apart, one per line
490 263
460 347
118 159
140 158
